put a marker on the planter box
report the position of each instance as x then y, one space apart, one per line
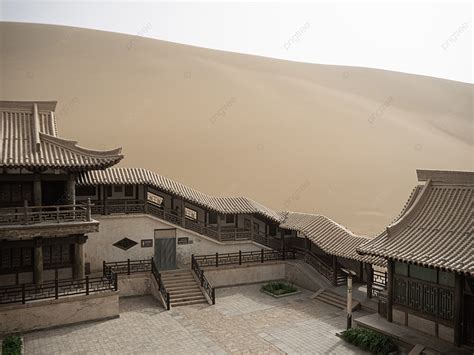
283 295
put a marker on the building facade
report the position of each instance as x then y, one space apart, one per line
429 250
43 229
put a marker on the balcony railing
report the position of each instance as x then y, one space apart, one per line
226 234
27 215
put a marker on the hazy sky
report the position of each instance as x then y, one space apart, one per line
421 38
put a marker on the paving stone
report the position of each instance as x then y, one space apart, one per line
243 321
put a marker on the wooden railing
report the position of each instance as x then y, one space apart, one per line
322 266
211 231
424 297
161 286
38 214
205 285
128 267
56 289
243 257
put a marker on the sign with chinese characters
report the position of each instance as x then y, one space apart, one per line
153 198
147 243
184 240
191 214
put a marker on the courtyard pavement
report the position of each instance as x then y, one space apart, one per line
243 321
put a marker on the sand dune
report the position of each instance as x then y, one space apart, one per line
339 141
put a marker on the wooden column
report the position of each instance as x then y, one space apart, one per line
37 195
361 271
390 270
219 226
282 234
105 190
458 308
252 232
78 266
370 278
38 262
334 270
307 244
183 214
71 189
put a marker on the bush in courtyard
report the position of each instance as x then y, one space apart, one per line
279 288
12 345
376 343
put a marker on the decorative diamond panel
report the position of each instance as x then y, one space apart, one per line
125 244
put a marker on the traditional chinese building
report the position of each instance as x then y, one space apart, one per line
429 250
42 227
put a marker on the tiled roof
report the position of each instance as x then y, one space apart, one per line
146 177
28 139
435 227
328 235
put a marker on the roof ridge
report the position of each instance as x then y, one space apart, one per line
72 144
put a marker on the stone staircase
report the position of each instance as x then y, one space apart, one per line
334 299
183 288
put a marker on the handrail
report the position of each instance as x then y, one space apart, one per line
37 214
161 286
57 288
128 266
243 257
205 284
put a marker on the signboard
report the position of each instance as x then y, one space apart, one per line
185 240
153 198
147 243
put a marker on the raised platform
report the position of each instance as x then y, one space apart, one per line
408 337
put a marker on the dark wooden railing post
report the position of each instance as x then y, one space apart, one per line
261 256
88 210
87 285
103 268
370 279
23 300
217 259
128 266
25 212
213 295
56 288
115 282
240 257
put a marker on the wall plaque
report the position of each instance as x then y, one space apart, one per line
147 243
185 240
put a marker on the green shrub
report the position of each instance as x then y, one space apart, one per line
279 288
12 345
374 342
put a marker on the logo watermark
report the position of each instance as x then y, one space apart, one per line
223 110
295 196
141 33
296 36
381 110
455 36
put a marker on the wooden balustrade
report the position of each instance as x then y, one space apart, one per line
39 214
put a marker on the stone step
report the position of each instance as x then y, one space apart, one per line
185 303
189 293
179 286
177 281
187 298
336 300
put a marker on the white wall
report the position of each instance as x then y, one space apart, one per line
136 227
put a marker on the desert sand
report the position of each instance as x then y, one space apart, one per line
339 141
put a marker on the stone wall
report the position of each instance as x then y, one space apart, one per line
54 313
294 271
136 227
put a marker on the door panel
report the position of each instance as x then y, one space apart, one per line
165 249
